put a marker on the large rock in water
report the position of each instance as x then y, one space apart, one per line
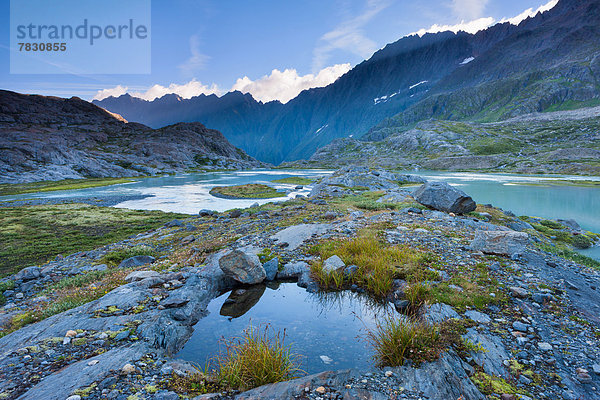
500 242
443 197
243 267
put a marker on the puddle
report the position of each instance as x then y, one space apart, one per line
326 329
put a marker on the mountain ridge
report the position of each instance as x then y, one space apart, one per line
494 85
50 138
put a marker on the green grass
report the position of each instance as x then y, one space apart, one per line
294 180
32 235
564 252
488 146
68 294
378 264
367 201
249 191
66 184
561 182
396 340
6 285
256 358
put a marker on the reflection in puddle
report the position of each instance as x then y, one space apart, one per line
326 329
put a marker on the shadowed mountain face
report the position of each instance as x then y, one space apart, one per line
549 62
49 138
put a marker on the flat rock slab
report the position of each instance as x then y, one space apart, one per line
59 385
504 243
295 235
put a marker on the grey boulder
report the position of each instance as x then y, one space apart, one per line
443 197
271 268
136 261
333 263
28 274
139 275
505 243
243 267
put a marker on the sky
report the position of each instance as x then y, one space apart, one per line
272 49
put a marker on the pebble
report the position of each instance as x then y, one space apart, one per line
128 369
74 397
71 333
93 362
389 373
544 346
320 390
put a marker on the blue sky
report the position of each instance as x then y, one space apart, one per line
208 45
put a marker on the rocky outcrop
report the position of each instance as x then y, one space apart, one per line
243 267
505 243
443 197
49 138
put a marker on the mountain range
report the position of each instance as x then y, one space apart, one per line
548 62
50 138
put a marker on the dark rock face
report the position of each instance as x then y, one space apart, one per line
243 267
49 138
443 197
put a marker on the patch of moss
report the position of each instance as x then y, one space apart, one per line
489 384
249 191
32 235
294 180
7 189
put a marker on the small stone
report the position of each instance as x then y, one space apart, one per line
174 302
478 317
596 369
506 396
93 362
66 340
520 326
389 373
518 292
584 377
320 390
544 346
333 263
71 333
19 296
128 369
74 397
571 286
326 359
103 336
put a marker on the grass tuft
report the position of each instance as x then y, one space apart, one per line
396 340
256 358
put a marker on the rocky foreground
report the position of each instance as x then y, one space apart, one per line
531 318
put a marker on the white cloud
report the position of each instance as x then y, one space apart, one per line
286 85
282 86
115 92
186 90
468 9
197 60
349 36
483 23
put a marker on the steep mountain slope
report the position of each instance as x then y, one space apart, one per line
547 62
49 138
555 142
